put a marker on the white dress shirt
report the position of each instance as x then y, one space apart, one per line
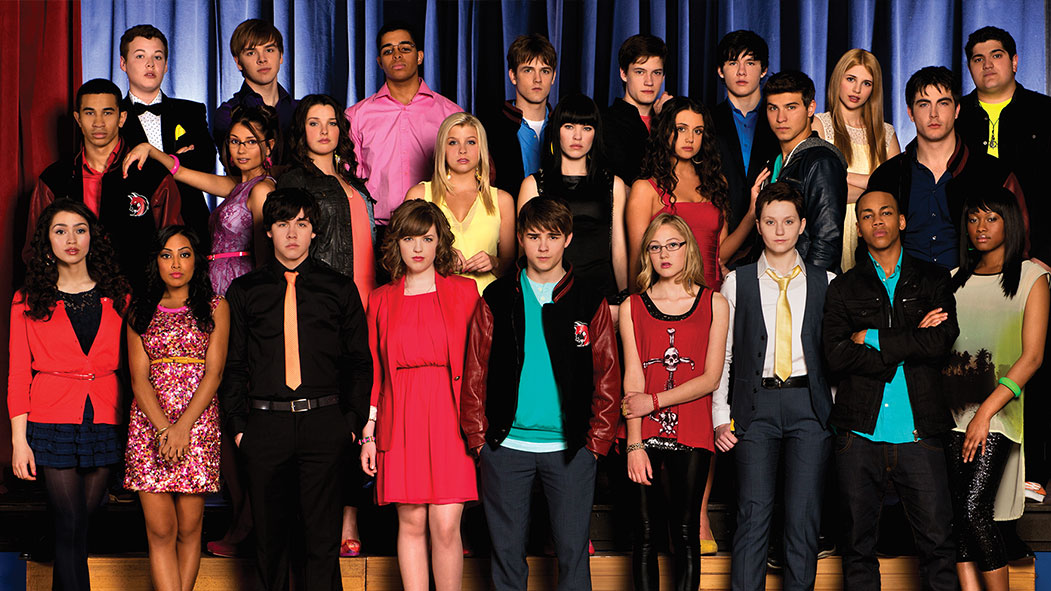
151 123
768 293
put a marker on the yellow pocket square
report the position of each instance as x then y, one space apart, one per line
179 132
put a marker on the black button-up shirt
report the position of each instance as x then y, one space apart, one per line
246 97
333 342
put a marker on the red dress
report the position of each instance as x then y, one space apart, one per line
706 222
673 350
424 460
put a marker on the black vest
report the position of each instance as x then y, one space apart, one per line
749 349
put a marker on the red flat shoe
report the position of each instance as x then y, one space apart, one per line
349 548
591 548
223 549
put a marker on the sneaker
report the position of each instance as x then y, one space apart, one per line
1034 491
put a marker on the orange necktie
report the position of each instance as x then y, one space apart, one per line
291 329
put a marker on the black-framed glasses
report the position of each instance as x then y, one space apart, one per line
248 143
403 47
670 247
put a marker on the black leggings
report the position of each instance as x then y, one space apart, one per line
974 487
678 485
73 494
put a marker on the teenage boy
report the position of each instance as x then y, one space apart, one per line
295 393
781 399
626 123
816 166
173 126
933 176
889 325
1007 120
132 208
540 398
259 50
394 129
745 140
517 130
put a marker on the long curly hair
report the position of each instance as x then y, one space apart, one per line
659 162
145 303
346 163
413 218
40 291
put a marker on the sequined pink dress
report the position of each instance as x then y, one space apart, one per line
174 343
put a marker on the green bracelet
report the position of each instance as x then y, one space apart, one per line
1011 385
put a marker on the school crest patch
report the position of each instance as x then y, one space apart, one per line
138 205
580 334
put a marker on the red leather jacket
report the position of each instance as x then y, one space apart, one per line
583 347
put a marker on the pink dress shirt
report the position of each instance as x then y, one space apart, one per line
394 143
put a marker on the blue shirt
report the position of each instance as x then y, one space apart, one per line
930 234
894 423
537 426
529 142
745 124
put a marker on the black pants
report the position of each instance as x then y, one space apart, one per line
294 462
676 491
974 487
919 474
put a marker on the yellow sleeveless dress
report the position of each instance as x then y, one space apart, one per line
479 230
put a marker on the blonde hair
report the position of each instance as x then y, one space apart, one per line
440 184
692 271
871 111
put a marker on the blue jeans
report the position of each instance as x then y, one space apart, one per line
918 471
569 486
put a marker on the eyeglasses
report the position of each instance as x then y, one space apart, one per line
670 247
404 47
249 143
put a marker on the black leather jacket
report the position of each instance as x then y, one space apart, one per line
820 172
334 244
857 300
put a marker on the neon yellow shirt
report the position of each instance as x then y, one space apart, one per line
994 110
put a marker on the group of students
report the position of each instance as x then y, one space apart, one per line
620 295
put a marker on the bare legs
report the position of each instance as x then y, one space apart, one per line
173 529
443 524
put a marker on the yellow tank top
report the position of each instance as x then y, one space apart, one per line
479 230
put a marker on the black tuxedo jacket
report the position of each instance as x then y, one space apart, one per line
188 119
764 147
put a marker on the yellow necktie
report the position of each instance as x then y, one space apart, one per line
783 324
291 329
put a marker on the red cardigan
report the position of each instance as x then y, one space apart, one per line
457 297
38 347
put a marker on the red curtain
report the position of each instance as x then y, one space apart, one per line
40 71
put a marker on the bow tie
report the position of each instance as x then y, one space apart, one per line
156 108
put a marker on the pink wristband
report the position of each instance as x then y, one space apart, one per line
175 168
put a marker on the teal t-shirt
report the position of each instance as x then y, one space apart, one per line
538 419
895 423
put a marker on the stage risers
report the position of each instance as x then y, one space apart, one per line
609 572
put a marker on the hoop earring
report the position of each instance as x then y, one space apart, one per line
695 159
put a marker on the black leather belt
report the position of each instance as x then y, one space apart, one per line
300 405
792 382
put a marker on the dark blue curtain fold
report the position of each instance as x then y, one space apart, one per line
330 44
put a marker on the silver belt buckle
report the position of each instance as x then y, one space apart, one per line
300 405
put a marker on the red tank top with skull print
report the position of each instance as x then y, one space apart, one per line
673 349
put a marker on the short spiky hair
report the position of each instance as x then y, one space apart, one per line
144 31
780 191
937 76
638 47
734 45
98 86
254 32
526 48
791 81
284 204
545 214
990 34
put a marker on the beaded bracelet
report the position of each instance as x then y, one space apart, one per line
1011 385
640 446
175 168
369 439
656 402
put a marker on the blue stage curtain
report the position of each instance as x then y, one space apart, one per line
330 44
